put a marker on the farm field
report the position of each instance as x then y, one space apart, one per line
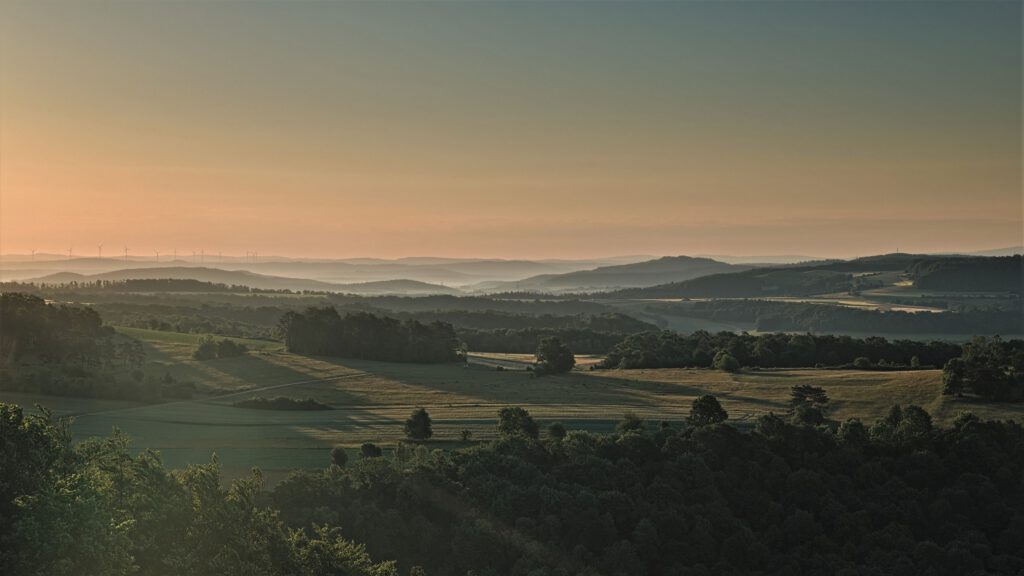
372 399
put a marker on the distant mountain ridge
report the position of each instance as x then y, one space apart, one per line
932 272
604 278
253 280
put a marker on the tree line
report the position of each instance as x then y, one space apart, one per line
324 332
667 349
766 315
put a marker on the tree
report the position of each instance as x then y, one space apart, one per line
807 394
953 377
862 363
726 362
630 423
418 425
808 404
553 357
707 410
339 457
515 421
556 431
370 450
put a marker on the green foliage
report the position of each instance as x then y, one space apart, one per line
210 348
988 367
370 450
553 357
322 331
707 410
98 509
862 363
516 421
668 349
786 499
418 425
282 403
339 457
630 423
725 362
556 431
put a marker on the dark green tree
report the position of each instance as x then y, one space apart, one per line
516 421
370 450
556 431
418 425
553 357
707 410
339 457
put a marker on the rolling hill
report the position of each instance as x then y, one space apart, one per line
603 278
252 280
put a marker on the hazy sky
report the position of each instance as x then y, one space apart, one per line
510 129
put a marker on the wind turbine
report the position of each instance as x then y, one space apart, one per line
157 256
33 254
69 252
125 253
99 251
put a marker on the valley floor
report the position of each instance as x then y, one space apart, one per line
372 400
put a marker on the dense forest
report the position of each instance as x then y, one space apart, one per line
67 351
929 272
667 349
898 496
770 316
1002 274
324 332
100 509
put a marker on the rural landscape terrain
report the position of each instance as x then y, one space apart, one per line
168 311
504 288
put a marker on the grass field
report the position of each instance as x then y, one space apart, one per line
372 400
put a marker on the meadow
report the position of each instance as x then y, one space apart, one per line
372 399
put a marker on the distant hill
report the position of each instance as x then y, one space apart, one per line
931 272
639 274
252 280
998 274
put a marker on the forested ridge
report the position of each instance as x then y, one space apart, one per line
768 316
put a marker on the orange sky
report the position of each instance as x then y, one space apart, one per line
510 130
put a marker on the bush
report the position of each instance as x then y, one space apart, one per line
282 403
210 348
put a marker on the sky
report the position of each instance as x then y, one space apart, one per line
510 129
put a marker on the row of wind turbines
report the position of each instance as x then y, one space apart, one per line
197 257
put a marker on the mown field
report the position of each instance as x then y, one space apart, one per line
372 399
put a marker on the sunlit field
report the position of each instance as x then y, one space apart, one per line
371 400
